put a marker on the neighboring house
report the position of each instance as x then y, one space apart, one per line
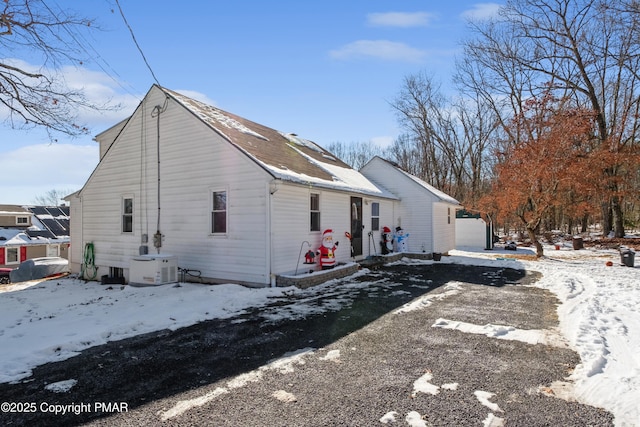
28 232
425 214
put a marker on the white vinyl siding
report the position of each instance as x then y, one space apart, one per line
444 231
416 211
194 160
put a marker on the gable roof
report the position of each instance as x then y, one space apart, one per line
285 156
441 195
13 210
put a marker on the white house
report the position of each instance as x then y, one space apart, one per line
425 214
229 198
28 232
235 201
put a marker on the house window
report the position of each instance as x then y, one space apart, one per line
314 208
127 215
219 212
22 220
448 215
375 216
12 256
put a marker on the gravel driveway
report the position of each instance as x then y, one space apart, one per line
351 353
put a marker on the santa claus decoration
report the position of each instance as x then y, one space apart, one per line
327 250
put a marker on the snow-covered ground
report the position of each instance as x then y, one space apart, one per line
599 315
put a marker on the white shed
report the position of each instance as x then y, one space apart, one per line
473 231
425 214
231 199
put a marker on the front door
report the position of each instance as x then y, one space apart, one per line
356 226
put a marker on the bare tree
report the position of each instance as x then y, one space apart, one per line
39 96
52 197
447 141
356 154
585 49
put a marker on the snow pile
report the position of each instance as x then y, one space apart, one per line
56 319
599 317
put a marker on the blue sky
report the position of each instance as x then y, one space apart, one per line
324 70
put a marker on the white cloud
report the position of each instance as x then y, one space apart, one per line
33 170
400 19
379 49
482 11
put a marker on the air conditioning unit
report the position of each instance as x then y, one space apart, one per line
152 270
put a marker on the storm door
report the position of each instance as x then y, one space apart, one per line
356 226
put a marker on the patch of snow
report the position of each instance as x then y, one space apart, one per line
184 405
213 115
493 421
61 386
426 300
529 336
414 419
389 417
284 396
423 385
484 396
333 355
295 139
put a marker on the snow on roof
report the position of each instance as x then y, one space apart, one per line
343 178
439 194
10 236
17 237
285 156
213 116
295 139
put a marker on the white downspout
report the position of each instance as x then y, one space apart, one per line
271 189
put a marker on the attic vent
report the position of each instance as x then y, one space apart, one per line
326 156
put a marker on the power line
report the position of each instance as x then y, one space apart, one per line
136 43
83 43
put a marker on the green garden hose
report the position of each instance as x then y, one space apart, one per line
89 271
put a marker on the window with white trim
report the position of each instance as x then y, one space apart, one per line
127 214
314 208
12 255
375 216
219 212
22 220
